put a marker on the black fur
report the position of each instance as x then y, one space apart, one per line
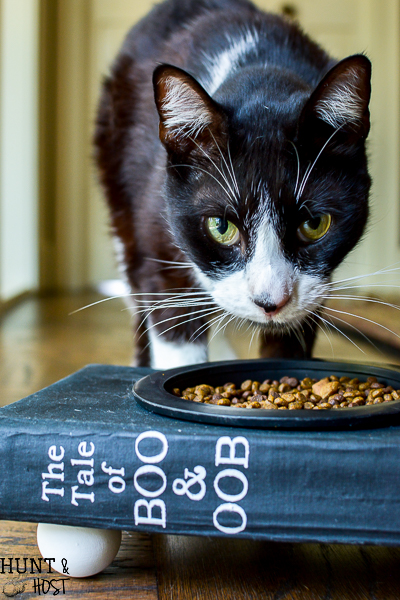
154 177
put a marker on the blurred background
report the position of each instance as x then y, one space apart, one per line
54 237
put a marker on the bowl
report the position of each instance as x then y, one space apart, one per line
154 392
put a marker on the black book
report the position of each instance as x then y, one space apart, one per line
84 452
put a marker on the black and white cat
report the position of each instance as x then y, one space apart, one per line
232 151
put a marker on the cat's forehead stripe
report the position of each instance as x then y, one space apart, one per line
222 65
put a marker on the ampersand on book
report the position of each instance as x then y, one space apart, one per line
182 486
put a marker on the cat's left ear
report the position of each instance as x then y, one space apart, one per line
340 102
190 120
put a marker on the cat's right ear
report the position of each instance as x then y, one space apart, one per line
191 123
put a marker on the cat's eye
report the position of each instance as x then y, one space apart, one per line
314 229
222 231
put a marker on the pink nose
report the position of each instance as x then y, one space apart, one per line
272 309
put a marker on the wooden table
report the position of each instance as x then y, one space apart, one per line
185 568
40 343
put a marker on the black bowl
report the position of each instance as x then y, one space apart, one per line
154 392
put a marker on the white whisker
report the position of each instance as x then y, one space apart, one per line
342 312
193 314
307 174
298 168
340 332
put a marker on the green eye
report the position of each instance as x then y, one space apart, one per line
314 229
222 231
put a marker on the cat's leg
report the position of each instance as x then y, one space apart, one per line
289 345
142 356
172 343
166 354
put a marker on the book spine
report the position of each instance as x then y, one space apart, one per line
150 481
222 481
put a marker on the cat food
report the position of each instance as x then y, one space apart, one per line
290 393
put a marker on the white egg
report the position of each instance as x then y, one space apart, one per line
78 551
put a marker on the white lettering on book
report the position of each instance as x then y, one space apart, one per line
55 471
149 518
230 484
75 495
152 435
230 508
157 505
231 451
237 475
146 469
232 458
182 486
116 483
84 476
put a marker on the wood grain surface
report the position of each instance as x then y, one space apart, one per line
222 569
131 575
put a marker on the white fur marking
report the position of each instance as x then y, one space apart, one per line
183 109
168 355
223 64
342 105
267 274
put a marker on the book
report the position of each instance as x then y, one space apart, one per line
84 452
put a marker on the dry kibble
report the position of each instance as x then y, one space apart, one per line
295 405
204 389
198 399
281 402
224 402
264 387
363 386
229 385
325 388
269 406
306 383
331 392
375 393
284 387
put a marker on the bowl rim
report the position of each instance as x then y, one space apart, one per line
152 393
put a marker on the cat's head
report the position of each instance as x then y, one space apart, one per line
267 183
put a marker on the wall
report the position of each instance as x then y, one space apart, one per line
18 147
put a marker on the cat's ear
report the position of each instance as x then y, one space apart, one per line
340 103
190 120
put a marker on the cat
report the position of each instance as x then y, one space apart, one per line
231 148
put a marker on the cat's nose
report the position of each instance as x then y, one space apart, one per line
270 308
